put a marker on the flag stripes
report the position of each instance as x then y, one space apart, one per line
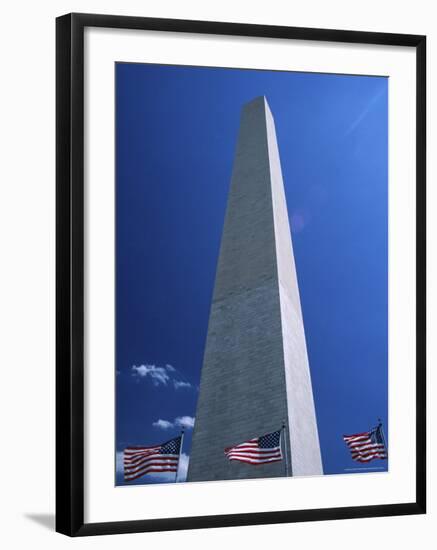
139 461
259 450
366 446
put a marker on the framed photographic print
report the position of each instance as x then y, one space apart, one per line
240 274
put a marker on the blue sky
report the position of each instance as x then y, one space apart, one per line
176 130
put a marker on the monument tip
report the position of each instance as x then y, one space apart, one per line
257 99
257 103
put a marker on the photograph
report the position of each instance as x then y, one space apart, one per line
251 274
215 222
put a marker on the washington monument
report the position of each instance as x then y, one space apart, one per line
255 375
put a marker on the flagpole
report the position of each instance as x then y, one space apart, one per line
382 435
180 452
285 448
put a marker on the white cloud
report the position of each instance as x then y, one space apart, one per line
181 384
160 376
119 462
163 424
185 422
157 374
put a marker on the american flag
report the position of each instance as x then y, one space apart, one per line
259 450
366 446
139 461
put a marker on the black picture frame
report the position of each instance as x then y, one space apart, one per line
70 273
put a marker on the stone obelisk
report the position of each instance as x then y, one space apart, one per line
255 373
